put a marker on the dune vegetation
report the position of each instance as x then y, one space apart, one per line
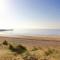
10 51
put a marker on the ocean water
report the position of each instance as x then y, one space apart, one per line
32 32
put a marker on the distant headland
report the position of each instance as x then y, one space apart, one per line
1 30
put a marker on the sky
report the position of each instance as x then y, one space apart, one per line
30 14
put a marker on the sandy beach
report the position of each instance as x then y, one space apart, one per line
38 47
33 40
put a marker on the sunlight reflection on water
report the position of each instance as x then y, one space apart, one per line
32 32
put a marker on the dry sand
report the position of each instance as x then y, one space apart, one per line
30 41
33 40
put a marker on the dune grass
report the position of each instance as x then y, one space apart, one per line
20 52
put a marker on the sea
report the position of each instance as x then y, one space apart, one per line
32 32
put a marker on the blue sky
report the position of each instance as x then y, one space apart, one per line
30 14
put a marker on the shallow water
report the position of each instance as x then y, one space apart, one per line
32 32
